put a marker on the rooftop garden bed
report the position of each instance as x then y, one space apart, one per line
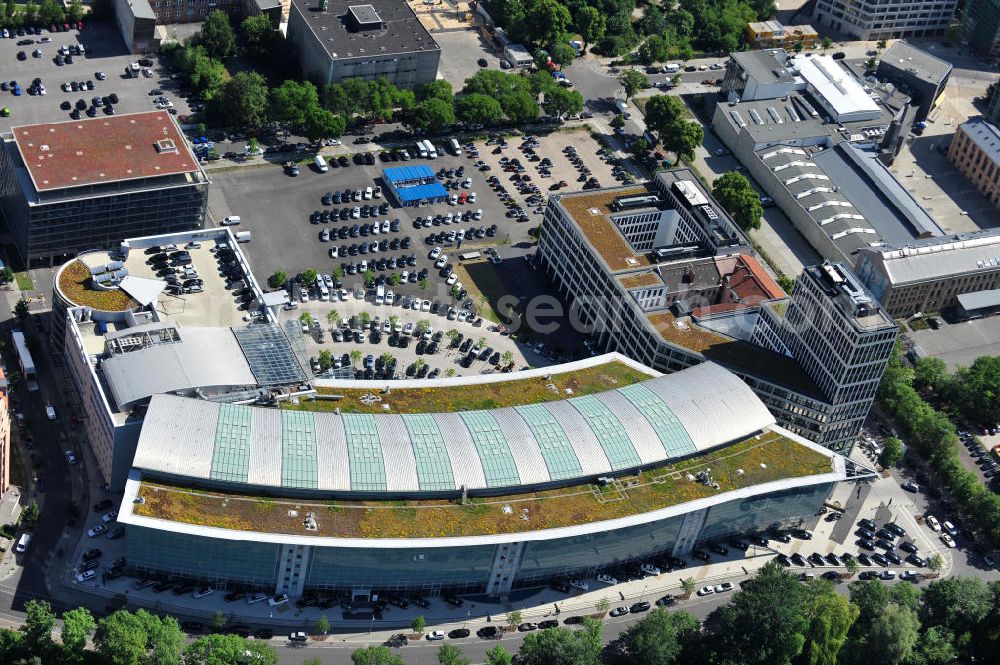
74 282
756 460
599 229
514 391
644 279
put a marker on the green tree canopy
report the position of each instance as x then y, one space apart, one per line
562 53
479 109
451 655
243 103
323 124
590 23
258 36
561 101
652 640
292 99
433 115
666 115
632 81
217 35
764 623
39 620
892 453
956 603
77 626
228 649
546 21
892 636
379 655
498 656
561 646
738 196
830 617
437 89
978 388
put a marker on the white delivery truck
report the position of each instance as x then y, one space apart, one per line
671 68
321 164
468 256
456 149
243 236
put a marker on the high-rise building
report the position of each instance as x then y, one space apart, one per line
840 336
981 27
885 19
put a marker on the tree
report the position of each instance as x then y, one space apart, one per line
355 356
365 318
936 646
205 74
332 317
322 625
437 89
562 53
21 309
852 566
124 638
560 646
652 641
451 655
956 603
50 12
602 605
667 116
737 195
418 624
75 10
217 35
561 101
935 563
309 276
228 649
498 656
688 585
546 21
892 453
423 283
478 109
258 36
325 360
831 616
77 626
632 82
278 279
387 358
871 597
292 99
243 102
827 43
590 24
6 275
379 655
423 325
30 515
513 619
978 388
323 124
38 622
507 358
432 115
764 623
893 635
219 620
930 374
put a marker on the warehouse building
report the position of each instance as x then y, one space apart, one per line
413 186
335 40
923 76
70 186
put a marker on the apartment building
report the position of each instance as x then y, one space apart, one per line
647 277
975 152
772 34
890 19
981 28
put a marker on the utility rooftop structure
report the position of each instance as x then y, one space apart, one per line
922 75
70 186
336 39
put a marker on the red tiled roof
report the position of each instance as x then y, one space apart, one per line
98 150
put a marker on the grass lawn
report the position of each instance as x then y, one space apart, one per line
512 392
24 282
485 286
749 462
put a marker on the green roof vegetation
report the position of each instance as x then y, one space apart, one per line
756 460
75 284
514 391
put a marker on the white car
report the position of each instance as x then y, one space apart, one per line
933 523
604 578
706 591
579 584
453 199
724 587
950 529
650 569
619 611
96 530
165 105
435 635
436 252
278 600
84 576
471 198
203 591
71 457
452 278
256 597
441 262
298 636
408 329
947 540
478 214
425 306
467 183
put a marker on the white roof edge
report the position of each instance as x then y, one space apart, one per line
127 516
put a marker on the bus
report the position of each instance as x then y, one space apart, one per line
421 149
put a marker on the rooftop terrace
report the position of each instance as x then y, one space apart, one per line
767 457
75 284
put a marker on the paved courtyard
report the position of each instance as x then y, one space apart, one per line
959 344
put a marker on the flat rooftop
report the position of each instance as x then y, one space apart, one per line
364 30
985 135
92 151
764 67
763 458
794 120
843 93
937 258
592 213
917 62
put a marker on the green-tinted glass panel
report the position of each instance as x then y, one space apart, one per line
298 450
494 453
557 451
430 452
364 451
231 456
609 431
675 439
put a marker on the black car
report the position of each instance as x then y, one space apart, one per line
893 558
264 634
879 559
636 608
459 633
868 524
102 505
90 555
420 602
488 632
798 559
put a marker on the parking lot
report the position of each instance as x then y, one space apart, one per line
959 344
104 52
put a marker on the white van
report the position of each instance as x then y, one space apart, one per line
421 149
321 164
671 68
367 195
22 543
622 108
243 236
456 149
232 220
50 412
324 292
380 295
431 150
